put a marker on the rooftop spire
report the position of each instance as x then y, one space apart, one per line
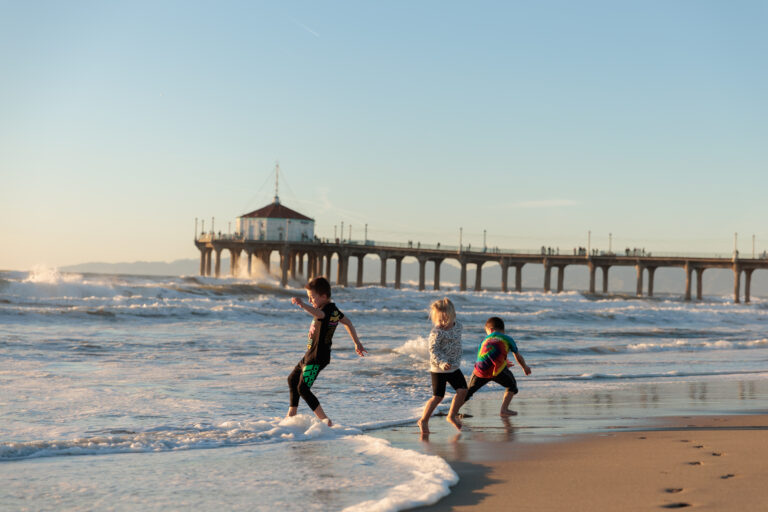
277 177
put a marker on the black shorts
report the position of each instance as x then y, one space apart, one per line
455 379
505 378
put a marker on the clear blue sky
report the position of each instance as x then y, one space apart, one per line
122 121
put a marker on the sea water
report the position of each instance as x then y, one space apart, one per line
159 393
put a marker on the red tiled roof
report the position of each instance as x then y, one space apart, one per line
276 211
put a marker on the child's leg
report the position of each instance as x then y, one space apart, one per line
293 388
429 408
438 393
506 379
505 410
456 403
459 384
475 383
320 413
308 376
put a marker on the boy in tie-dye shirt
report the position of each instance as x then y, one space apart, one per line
492 364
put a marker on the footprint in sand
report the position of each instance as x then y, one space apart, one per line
695 463
673 490
699 446
717 454
729 475
676 505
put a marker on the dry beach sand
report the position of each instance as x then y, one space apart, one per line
638 460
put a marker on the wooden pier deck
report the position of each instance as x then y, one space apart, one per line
316 257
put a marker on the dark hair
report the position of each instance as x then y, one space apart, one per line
320 286
495 324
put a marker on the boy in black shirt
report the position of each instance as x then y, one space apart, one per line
326 316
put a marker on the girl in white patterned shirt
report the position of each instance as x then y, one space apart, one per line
444 361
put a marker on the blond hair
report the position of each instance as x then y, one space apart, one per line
442 312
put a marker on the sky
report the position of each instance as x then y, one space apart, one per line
635 123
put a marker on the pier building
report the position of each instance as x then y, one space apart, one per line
311 258
275 222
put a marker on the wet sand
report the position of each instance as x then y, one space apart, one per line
627 457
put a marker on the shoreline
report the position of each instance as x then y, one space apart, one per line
701 445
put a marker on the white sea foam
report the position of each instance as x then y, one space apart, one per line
416 348
160 439
429 478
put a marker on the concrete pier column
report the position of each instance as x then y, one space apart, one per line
436 281
504 277
383 257
639 269
736 283
218 262
700 283
605 269
208 260
202 262
651 272
422 273
560 277
519 277
234 261
319 265
292 265
328 258
301 263
360 270
592 270
284 264
250 263
688 268
310 265
463 277
265 258
398 271
547 276
747 281
479 277
342 270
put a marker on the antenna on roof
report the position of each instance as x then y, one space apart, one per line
277 176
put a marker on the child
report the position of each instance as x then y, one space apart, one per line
326 317
444 361
492 363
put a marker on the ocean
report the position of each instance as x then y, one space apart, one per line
126 392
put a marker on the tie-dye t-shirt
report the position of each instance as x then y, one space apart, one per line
492 356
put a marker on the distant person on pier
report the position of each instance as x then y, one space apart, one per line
325 317
492 364
444 361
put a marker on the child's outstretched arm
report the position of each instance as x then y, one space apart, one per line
347 323
317 313
521 362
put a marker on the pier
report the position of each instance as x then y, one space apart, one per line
309 259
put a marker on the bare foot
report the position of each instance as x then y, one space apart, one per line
328 422
455 421
423 426
508 412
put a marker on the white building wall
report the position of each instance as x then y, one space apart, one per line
275 229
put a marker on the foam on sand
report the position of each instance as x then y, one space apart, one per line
430 478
